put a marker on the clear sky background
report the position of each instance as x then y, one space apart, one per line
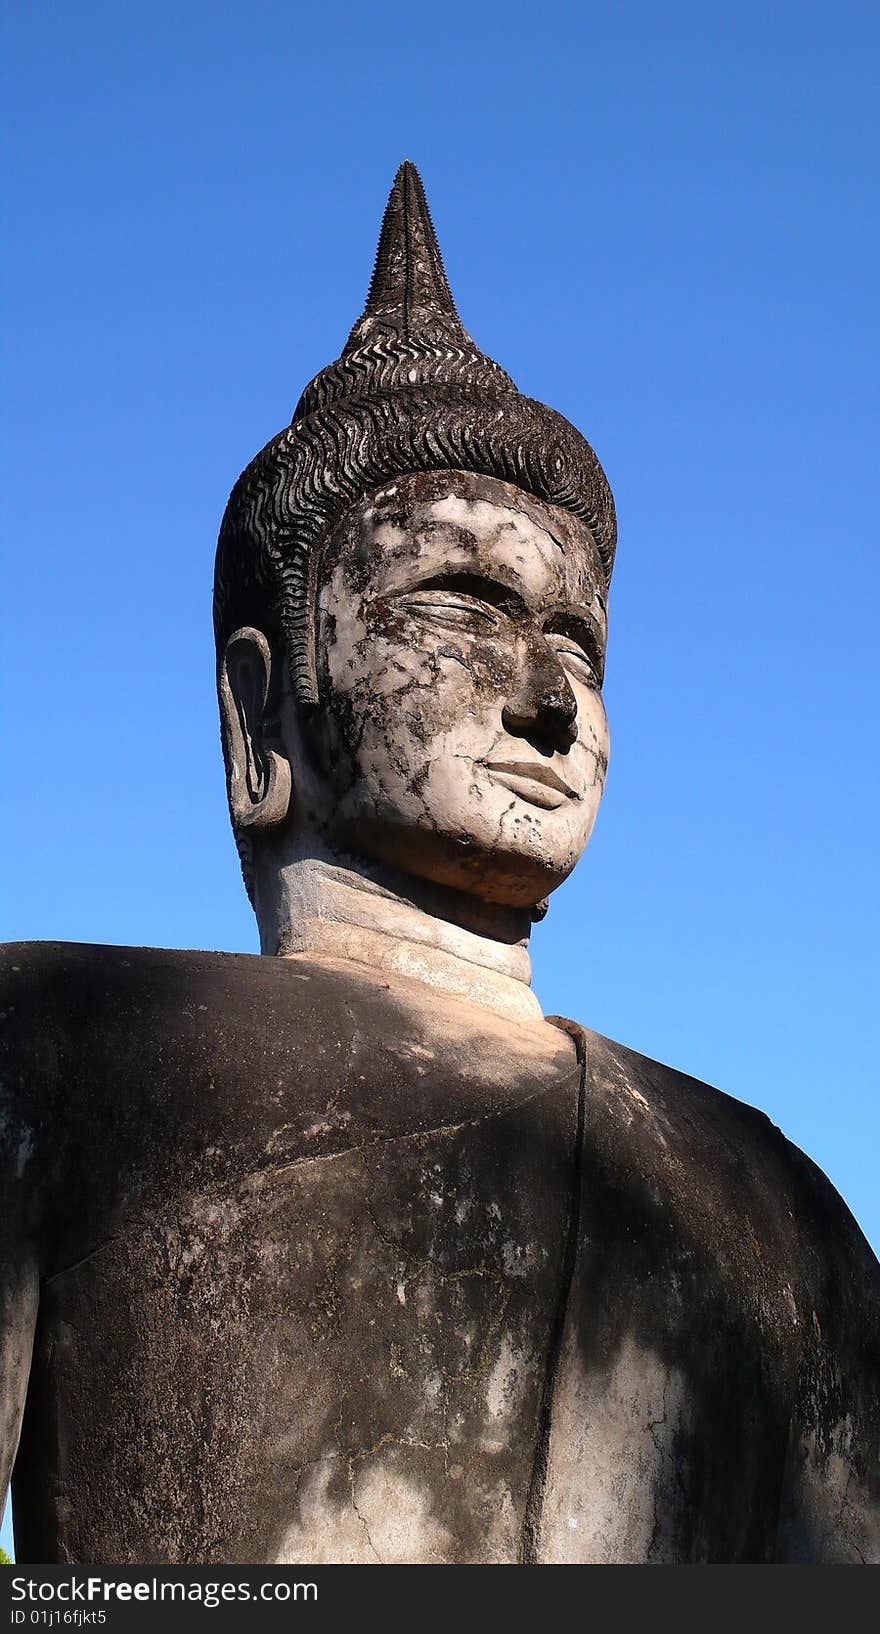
661 219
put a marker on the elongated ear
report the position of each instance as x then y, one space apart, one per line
258 777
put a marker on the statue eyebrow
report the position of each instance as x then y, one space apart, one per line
569 612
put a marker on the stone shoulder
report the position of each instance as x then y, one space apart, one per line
724 1164
198 1069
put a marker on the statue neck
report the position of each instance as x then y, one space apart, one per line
317 903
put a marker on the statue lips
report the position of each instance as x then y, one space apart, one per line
532 781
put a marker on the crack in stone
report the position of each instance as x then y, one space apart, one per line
361 1518
353 1459
652 1426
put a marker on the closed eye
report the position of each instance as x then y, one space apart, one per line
578 652
451 609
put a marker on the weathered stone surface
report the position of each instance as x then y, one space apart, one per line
299 1281
346 1254
340 1271
717 1396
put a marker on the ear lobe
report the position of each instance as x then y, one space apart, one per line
258 778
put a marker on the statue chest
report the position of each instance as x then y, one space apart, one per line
338 1357
356 1280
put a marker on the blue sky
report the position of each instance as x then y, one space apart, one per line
661 219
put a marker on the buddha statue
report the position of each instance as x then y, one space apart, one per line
344 1252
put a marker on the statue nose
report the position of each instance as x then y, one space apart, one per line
543 708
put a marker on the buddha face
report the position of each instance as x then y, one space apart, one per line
460 630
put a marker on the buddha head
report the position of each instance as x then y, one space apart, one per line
410 608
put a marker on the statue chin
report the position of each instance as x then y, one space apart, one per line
460 863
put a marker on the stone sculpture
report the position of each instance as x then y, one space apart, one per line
345 1253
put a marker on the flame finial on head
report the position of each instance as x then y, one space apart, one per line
409 272
409 334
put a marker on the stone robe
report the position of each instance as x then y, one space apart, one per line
304 1265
